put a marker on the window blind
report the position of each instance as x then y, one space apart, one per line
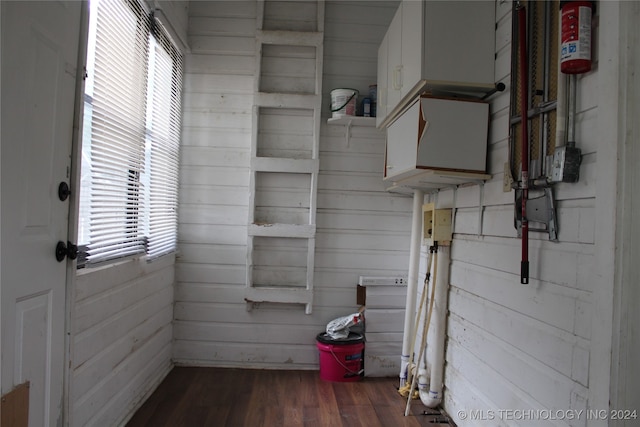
164 142
128 200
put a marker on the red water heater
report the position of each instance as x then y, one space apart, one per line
575 38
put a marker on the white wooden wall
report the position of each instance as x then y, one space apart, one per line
626 369
122 338
362 230
121 318
510 346
514 346
174 16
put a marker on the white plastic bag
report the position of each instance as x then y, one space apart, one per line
338 329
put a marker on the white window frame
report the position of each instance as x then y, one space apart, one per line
130 150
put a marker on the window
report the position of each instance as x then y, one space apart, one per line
131 136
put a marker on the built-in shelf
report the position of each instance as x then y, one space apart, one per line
278 294
432 180
352 121
349 121
272 82
302 231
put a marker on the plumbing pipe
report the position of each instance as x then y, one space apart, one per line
421 308
425 328
423 383
561 109
571 116
544 122
562 95
524 106
433 397
412 284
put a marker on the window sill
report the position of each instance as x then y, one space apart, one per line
138 263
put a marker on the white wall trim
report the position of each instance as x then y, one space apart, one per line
625 342
74 213
610 89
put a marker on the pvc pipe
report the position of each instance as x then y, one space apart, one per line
425 329
562 95
431 396
423 382
524 107
412 284
425 291
544 122
571 116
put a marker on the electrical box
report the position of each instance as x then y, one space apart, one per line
566 164
436 223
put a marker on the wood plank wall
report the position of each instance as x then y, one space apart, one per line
121 319
122 338
362 230
510 346
513 346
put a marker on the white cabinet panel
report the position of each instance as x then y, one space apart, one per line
402 143
440 134
459 43
394 61
382 80
411 44
438 46
454 136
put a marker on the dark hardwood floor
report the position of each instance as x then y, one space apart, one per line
240 397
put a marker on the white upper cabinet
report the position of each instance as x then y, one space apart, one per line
438 134
443 46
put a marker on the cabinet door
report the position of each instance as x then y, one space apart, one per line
459 42
412 48
381 112
402 144
394 61
455 135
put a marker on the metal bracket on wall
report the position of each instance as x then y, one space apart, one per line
541 211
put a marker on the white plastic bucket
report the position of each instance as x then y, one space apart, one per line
343 102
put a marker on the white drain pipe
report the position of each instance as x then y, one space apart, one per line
412 284
431 396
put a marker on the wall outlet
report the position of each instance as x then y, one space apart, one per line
507 180
382 281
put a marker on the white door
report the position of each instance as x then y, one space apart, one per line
39 56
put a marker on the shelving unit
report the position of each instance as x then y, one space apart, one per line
353 121
434 180
350 121
284 158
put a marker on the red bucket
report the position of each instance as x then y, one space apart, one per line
341 360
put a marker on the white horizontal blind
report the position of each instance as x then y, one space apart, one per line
128 199
163 139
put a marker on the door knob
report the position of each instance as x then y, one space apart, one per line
66 250
63 191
